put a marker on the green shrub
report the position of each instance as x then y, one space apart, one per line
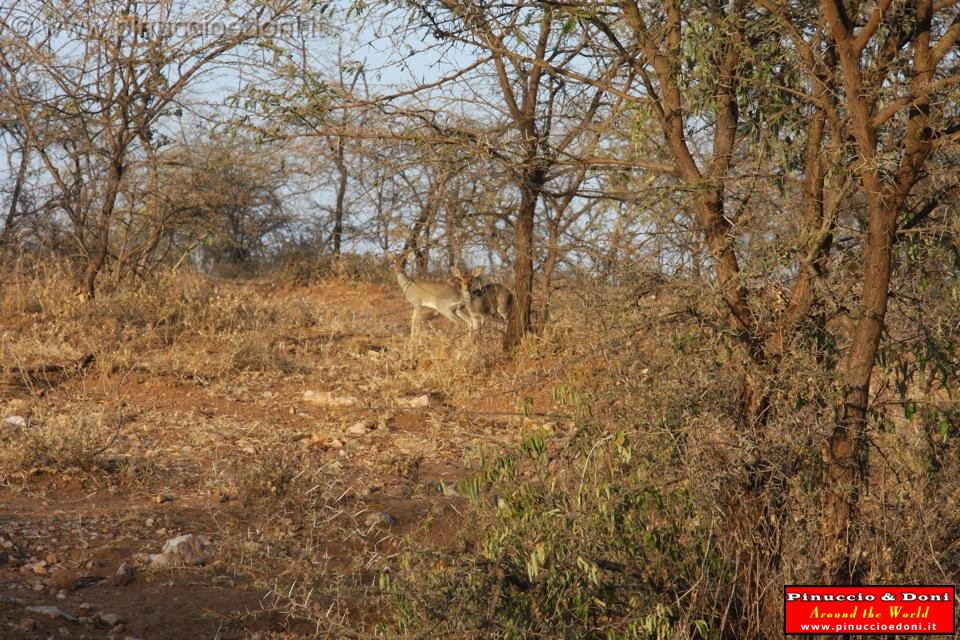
572 539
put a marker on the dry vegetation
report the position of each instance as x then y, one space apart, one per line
190 390
601 461
729 231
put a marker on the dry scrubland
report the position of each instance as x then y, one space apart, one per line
177 406
586 485
741 216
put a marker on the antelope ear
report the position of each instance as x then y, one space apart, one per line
477 272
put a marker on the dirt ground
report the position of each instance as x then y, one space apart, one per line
324 445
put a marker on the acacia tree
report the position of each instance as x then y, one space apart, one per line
88 83
895 132
231 198
821 80
14 206
542 118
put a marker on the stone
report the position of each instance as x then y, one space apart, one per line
441 487
327 399
324 443
182 550
378 519
124 575
398 490
51 612
63 579
360 428
419 402
14 422
109 619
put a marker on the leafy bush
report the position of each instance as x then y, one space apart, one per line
577 539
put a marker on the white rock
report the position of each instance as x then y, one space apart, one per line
418 402
159 559
15 422
125 574
185 549
359 428
327 399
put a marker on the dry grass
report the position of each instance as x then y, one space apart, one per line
196 389
195 392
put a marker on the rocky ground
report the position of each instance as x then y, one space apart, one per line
247 482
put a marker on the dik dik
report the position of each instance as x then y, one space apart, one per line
480 302
432 294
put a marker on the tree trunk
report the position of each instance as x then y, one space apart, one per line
450 235
422 253
341 194
420 226
421 257
546 277
519 322
99 257
613 248
844 471
7 232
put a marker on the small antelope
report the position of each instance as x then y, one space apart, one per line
439 296
488 301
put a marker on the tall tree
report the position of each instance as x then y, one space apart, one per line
87 82
809 75
517 43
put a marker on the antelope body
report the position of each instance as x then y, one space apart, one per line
488 301
432 294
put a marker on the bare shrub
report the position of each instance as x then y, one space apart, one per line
634 523
58 442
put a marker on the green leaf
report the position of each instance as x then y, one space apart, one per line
909 409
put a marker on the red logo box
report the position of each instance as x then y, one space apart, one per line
883 610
